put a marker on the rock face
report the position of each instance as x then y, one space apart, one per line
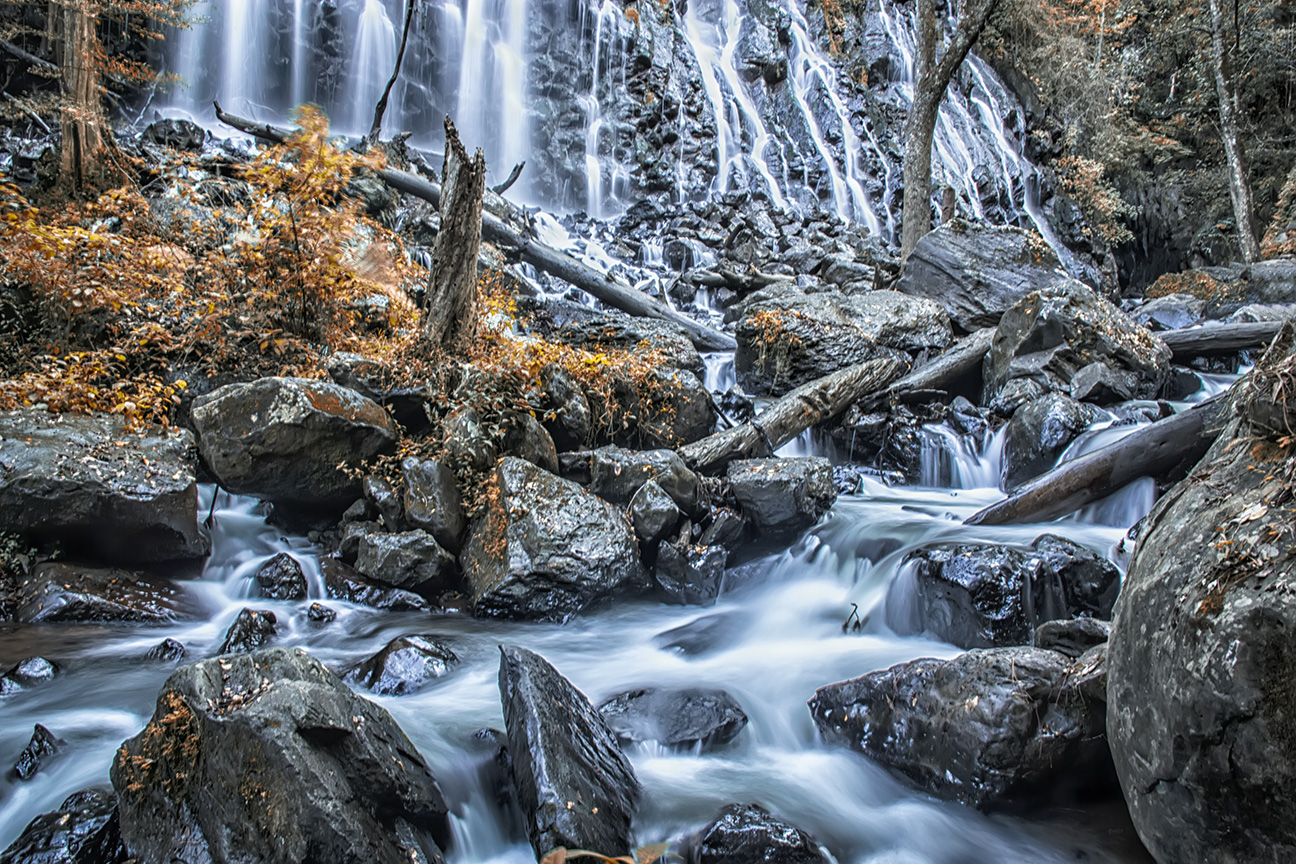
562 751
1038 433
284 439
269 757
59 592
686 718
984 728
1202 660
546 549
783 497
81 481
747 833
83 830
978 272
982 595
795 338
1053 333
403 666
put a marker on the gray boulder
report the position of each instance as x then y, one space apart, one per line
547 549
576 788
621 332
87 484
1071 636
1053 333
743 834
527 439
269 757
978 272
432 501
1170 311
1201 660
653 513
403 666
783 497
1038 433
251 630
60 592
341 582
689 573
683 718
290 440
568 419
411 560
281 578
986 728
616 475
983 595
41 747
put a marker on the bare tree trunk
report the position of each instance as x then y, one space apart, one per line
381 108
82 157
452 293
1239 184
931 77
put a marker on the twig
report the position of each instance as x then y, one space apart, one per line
512 178
381 108
29 112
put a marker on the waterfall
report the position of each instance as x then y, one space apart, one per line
371 64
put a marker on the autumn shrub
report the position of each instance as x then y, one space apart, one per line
1280 238
1082 179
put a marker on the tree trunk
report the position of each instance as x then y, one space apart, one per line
381 108
1210 339
1234 155
452 292
82 157
939 372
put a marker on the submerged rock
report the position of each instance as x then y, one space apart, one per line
783 497
576 788
403 666
290 440
42 746
167 651
693 717
59 592
269 757
281 578
746 833
88 484
84 830
250 630
547 549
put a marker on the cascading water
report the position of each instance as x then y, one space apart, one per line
372 60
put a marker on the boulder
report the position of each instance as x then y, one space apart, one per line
620 332
1201 661
382 495
1071 636
290 440
527 439
793 338
978 272
783 497
1053 333
746 833
575 786
321 614
616 475
84 830
251 630
403 666
983 595
467 443
28 672
89 485
432 501
343 583
662 407
42 746
685 718
987 728
1102 385
167 651
411 560
60 592
1170 311
688 573
653 513
568 418
546 549
281 578
1038 433
270 757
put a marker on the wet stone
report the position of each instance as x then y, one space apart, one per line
83 830
281 578
41 747
404 666
321 614
250 630
746 833
684 718
166 651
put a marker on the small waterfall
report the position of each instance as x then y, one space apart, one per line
371 63
952 460
243 72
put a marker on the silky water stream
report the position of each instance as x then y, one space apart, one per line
775 635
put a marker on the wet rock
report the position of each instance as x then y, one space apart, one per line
403 666
576 788
687 718
1170 312
725 529
250 630
1088 674
432 501
411 560
987 728
978 272
467 443
617 474
343 583
1016 393
321 614
690 574
983 595
281 578
176 133
87 484
384 499
42 746
653 513
547 549
1102 385
571 422
84 830
1201 658
241 742
352 534
618 331
1071 636
527 439
1052 334
32 671
290 440
676 409
746 833
782 497
59 592
1038 433
699 636
167 651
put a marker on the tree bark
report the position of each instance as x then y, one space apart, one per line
452 288
381 108
82 153
1219 338
1234 154
940 371
1153 451
931 77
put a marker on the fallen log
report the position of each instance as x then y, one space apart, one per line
940 372
1219 338
502 232
808 405
1153 451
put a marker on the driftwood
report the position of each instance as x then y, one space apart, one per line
452 286
507 231
1153 451
810 404
1219 338
939 373
510 180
